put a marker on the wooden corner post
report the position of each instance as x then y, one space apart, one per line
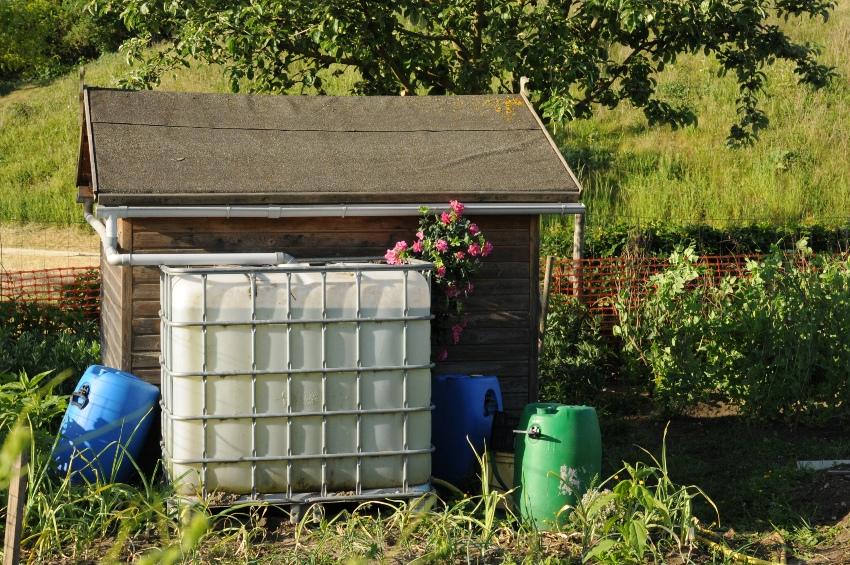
578 254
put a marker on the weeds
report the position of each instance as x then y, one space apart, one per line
37 337
638 515
643 517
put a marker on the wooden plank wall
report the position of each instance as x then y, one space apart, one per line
115 308
502 313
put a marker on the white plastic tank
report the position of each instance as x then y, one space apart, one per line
297 379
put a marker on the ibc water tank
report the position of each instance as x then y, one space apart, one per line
296 379
105 425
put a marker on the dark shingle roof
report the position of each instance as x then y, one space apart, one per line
181 148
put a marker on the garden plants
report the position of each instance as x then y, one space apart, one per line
35 338
640 517
775 340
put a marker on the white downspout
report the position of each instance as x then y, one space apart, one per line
108 233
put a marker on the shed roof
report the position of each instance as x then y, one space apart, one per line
165 148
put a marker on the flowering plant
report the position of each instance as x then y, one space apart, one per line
455 245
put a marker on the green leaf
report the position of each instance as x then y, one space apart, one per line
599 550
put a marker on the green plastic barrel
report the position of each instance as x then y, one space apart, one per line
558 452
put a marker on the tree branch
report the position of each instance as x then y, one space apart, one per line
602 87
377 47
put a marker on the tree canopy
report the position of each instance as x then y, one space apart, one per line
43 38
576 53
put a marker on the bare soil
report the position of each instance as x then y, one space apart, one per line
25 247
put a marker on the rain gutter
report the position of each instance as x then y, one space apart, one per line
334 210
105 222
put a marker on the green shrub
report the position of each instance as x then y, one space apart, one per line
577 360
643 517
43 38
661 239
775 341
35 338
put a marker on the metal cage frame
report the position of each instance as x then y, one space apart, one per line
323 267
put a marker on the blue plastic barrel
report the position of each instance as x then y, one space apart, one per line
106 424
464 406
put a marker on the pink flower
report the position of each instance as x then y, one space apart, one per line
441 271
417 246
460 255
400 246
473 229
391 257
442 354
446 218
457 329
474 250
442 245
420 235
452 290
456 206
488 248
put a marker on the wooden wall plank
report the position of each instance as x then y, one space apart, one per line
313 225
110 305
197 240
125 241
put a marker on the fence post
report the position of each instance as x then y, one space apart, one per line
544 303
578 253
15 509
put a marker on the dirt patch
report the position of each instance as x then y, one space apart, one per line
25 247
827 495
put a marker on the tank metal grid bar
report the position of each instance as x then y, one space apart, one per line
404 402
315 497
204 369
324 383
289 385
322 265
253 292
317 370
358 412
323 372
302 456
315 321
358 478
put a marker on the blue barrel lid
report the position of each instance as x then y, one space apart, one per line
453 376
100 370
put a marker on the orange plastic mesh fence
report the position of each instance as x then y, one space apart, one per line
73 288
596 281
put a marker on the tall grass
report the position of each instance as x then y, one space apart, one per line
39 139
798 171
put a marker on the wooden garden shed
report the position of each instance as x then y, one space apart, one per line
185 173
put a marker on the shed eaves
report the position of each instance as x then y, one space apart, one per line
152 148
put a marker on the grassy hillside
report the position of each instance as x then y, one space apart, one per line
799 171
39 137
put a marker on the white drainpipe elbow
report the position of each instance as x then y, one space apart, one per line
108 232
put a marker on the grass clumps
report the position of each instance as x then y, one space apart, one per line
643 517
